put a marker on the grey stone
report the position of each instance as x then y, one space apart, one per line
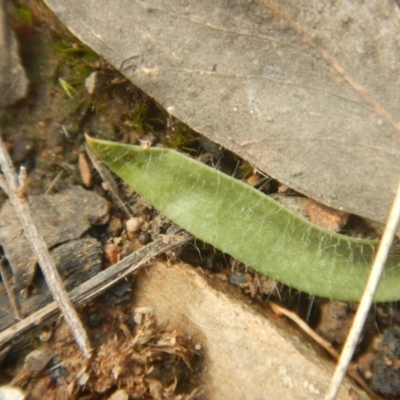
13 80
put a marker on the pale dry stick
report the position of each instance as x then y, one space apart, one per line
277 309
99 283
19 201
108 179
367 298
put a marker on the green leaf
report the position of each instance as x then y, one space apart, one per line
252 227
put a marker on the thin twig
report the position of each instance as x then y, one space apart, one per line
276 308
367 298
19 201
99 283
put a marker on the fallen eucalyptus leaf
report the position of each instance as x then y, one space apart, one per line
243 222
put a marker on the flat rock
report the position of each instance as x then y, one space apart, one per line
248 355
60 217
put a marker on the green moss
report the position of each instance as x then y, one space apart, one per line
24 16
181 138
140 119
246 168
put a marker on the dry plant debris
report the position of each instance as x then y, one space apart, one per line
133 353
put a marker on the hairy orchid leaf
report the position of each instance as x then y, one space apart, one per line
243 222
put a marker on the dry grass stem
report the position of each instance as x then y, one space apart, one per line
303 325
322 342
19 201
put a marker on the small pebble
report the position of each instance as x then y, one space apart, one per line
237 279
144 237
115 225
45 335
36 361
133 224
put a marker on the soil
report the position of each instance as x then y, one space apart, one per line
45 133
